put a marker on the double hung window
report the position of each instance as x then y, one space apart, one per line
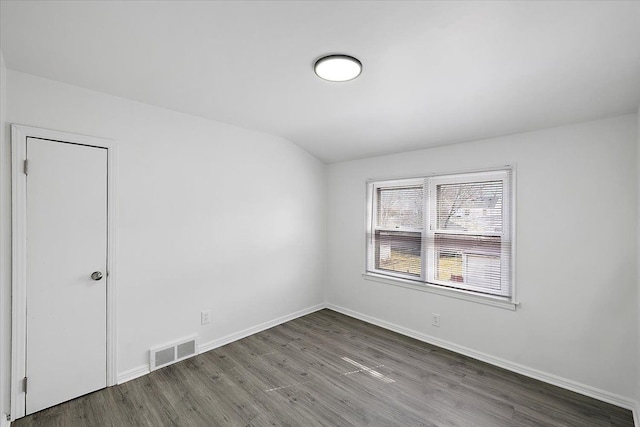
451 231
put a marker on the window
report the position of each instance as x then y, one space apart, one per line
452 231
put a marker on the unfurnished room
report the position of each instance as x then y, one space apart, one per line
319 213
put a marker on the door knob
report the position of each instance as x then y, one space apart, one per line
96 275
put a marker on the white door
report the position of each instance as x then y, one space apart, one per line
66 352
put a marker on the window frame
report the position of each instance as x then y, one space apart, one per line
373 221
505 234
427 282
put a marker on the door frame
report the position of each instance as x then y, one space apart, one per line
19 135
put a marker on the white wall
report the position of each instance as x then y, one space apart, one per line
638 266
576 253
210 216
5 246
213 216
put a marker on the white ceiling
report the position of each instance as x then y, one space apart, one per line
434 72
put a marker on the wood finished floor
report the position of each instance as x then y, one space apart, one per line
297 374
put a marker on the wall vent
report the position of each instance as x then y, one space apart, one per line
176 351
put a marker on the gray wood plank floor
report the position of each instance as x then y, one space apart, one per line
327 369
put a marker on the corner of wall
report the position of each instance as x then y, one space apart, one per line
636 413
325 225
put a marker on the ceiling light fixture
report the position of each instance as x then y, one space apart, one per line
338 68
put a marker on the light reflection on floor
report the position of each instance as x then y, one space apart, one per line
368 370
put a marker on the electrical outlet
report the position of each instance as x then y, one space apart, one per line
205 317
435 319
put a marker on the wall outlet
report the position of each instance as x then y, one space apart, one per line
205 317
435 319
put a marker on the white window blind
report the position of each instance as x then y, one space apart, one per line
450 230
397 228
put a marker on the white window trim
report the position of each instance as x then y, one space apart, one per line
412 282
495 301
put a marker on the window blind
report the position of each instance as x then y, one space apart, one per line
397 228
448 230
400 207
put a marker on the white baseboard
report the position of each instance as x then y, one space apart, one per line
132 374
258 328
4 422
140 371
584 389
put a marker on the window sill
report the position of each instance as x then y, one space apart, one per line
500 302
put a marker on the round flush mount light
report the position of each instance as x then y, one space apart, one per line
338 68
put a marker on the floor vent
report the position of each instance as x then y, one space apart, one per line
165 355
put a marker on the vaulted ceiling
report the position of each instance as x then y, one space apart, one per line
434 73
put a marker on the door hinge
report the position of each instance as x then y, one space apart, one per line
26 167
24 383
